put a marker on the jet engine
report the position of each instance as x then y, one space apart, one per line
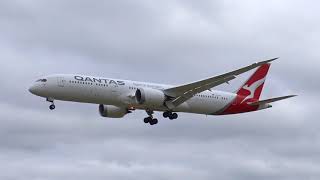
112 111
150 97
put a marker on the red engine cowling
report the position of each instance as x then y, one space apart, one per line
112 111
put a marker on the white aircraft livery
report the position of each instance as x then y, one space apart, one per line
116 98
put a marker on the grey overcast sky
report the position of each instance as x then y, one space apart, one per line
167 41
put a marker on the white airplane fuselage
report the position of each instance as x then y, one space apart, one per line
117 98
121 93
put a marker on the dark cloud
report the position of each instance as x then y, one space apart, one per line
172 42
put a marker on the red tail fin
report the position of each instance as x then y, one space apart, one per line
249 92
252 89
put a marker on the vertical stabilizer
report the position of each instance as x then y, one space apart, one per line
252 89
250 92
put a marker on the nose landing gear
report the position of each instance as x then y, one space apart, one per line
52 106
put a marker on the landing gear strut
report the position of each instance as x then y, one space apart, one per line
52 106
152 121
170 115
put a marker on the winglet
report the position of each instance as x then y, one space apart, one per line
267 61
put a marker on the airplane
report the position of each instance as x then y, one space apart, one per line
117 98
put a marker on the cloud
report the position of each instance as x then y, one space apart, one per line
167 42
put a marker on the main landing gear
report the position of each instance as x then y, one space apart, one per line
52 106
170 115
152 121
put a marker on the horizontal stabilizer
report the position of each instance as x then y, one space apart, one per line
271 100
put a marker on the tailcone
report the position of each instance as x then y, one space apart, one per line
264 106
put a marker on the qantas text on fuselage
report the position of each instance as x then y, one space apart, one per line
98 80
117 98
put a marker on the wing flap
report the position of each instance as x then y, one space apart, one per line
189 94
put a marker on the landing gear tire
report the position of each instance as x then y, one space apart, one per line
175 116
150 119
52 107
147 120
166 114
154 122
170 115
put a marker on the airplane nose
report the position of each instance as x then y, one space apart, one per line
32 89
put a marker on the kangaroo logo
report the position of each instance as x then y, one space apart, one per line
252 88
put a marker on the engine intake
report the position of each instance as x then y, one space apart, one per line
150 97
112 111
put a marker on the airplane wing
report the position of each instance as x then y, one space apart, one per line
267 101
180 94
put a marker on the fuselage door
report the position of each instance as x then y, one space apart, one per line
114 89
61 81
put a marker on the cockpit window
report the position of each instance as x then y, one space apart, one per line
42 80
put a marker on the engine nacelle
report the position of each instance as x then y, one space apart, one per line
112 111
150 97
